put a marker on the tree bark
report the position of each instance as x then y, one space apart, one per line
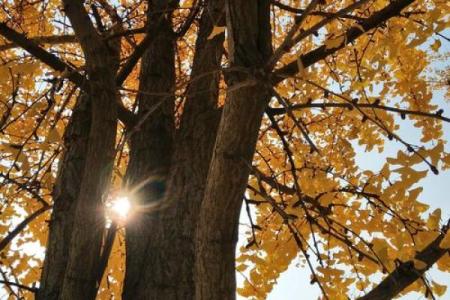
151 144
80 278
249 40
65 193
169 254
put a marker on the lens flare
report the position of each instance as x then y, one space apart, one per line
121 207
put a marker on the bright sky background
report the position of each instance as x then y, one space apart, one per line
294 284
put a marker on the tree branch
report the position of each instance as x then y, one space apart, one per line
190 19
352 34
322 105
405 274
314 13
24 186
133 60
90 40
57 64
21 226
41 54
20 286
53 39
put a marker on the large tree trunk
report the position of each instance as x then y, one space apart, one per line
151 144
65 193
249 41
80 278
68 187
169 254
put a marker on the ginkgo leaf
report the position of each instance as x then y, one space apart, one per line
381 249
301 67
216 31
10 148
434 219
22 158
445 243
419 265
334 42
53 136
446 159
241 267
438 289
436 45
435 153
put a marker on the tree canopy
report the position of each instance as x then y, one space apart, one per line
295 90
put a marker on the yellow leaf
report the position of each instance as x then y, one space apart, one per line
436 45
433 219
216 31
241 267
334 42
443 264
381 249
359 27
361 285
53 136
435 153
301 68
24 161
419 265
9 148
438 289
445 243
446 159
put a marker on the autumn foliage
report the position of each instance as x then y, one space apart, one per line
196 109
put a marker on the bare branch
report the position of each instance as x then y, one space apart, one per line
57 64
406 273
20 286
41 54
133 60
314 13
352 34
322 105
53 39
21 226
288 40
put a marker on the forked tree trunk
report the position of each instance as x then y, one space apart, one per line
249 40
70 267
65 193
167 259
151 144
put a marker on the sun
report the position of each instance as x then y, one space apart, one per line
121 207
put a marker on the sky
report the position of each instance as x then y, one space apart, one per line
294 284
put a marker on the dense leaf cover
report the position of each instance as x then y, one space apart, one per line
341 83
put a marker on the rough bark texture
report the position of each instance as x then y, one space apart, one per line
169 253
83 138
65 193
249 41
89 221
151 144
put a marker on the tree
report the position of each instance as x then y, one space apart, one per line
195 108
